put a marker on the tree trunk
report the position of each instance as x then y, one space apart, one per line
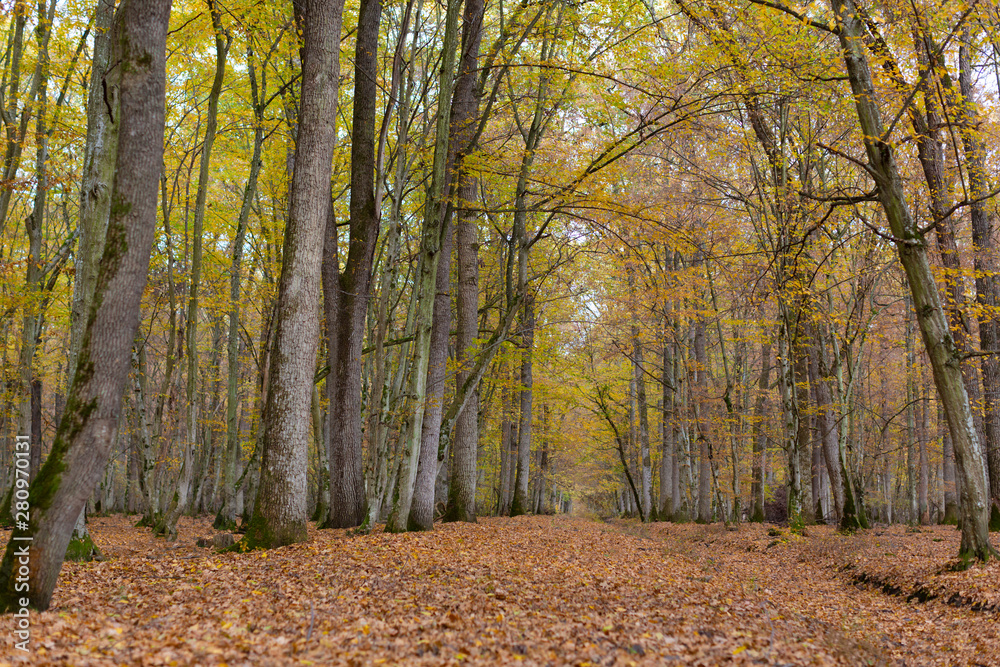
950 484
760 435
280 512
986 266
465 110
16 132
829 424
668 445
790 413
508 444
35 276
925 426
347 484
938 340
422 506
86 432
643 410
519 504
701 384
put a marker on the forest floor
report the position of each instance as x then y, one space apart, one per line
531 591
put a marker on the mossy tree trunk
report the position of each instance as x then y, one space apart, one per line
457 128
280 513
85 434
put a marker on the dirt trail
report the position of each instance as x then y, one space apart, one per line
529 591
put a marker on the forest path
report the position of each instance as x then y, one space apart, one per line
529 591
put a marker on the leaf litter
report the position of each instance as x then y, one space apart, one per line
526 591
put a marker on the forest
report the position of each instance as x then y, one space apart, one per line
332 279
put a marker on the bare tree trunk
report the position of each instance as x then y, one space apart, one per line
347 484
789 407
280 512
86 432
950 484
911 422
465 109
33 313
508 444
828 424
668 445
16 131
704 464
925 426
519 504
986 265
643 410
803 440
760 434
938 340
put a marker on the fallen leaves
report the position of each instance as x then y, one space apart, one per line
531 591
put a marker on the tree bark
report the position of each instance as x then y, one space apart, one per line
643 414
986 266
519 504
280 512
465 110
668 445
701 384
86 432
760 435
347 484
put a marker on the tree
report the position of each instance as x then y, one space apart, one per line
181 499
348 311
280 511
944 355
88 424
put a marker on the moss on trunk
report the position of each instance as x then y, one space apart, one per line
83 549
260 536
223 523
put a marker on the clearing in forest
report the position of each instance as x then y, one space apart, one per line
532 591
